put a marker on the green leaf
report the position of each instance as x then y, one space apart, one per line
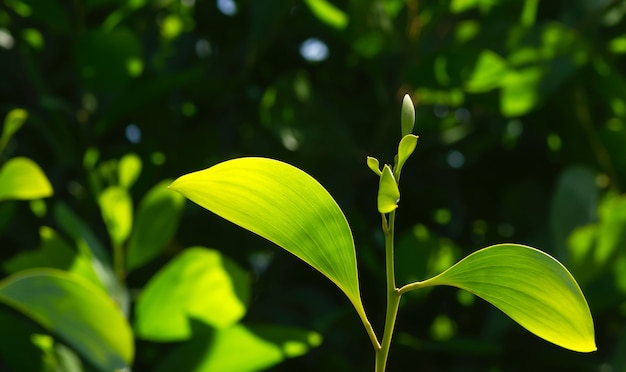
56 253
22 179
12 123
405 149
488 74
286 206
388 193
407 120
328 13
531 287
198 284
90 246
240 348
129 168
74 309
116 207
373 164
155 224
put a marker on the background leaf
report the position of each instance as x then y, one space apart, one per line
198 284
241 348
22 179
155 224
75 310
116 207
531 287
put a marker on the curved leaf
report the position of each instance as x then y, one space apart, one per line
388 192
116 208
199 284
284 205
74 309
155 224
531 287
22 179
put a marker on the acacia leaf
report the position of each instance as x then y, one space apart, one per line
531 287
284 205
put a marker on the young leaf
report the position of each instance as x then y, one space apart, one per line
198 284
373 164
529 286
74 309
388 193
22 179
286 206
405 149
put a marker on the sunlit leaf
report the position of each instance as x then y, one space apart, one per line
388 193
199 284
405 149
72 308
22 179
372 163
241 348
529 286
284 205
117 212
129 168
328 13
155 224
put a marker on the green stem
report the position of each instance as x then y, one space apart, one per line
393 296
118 262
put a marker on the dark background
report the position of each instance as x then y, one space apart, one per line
521 117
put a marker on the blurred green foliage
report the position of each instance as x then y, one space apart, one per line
521 113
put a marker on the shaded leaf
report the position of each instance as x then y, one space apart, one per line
199 283
56 253
242 348
74 309
284 205
155 224
529 286
22 179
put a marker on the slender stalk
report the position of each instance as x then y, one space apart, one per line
393 296
118 262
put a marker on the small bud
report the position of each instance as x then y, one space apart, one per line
408 115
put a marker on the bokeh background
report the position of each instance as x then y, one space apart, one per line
521 113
